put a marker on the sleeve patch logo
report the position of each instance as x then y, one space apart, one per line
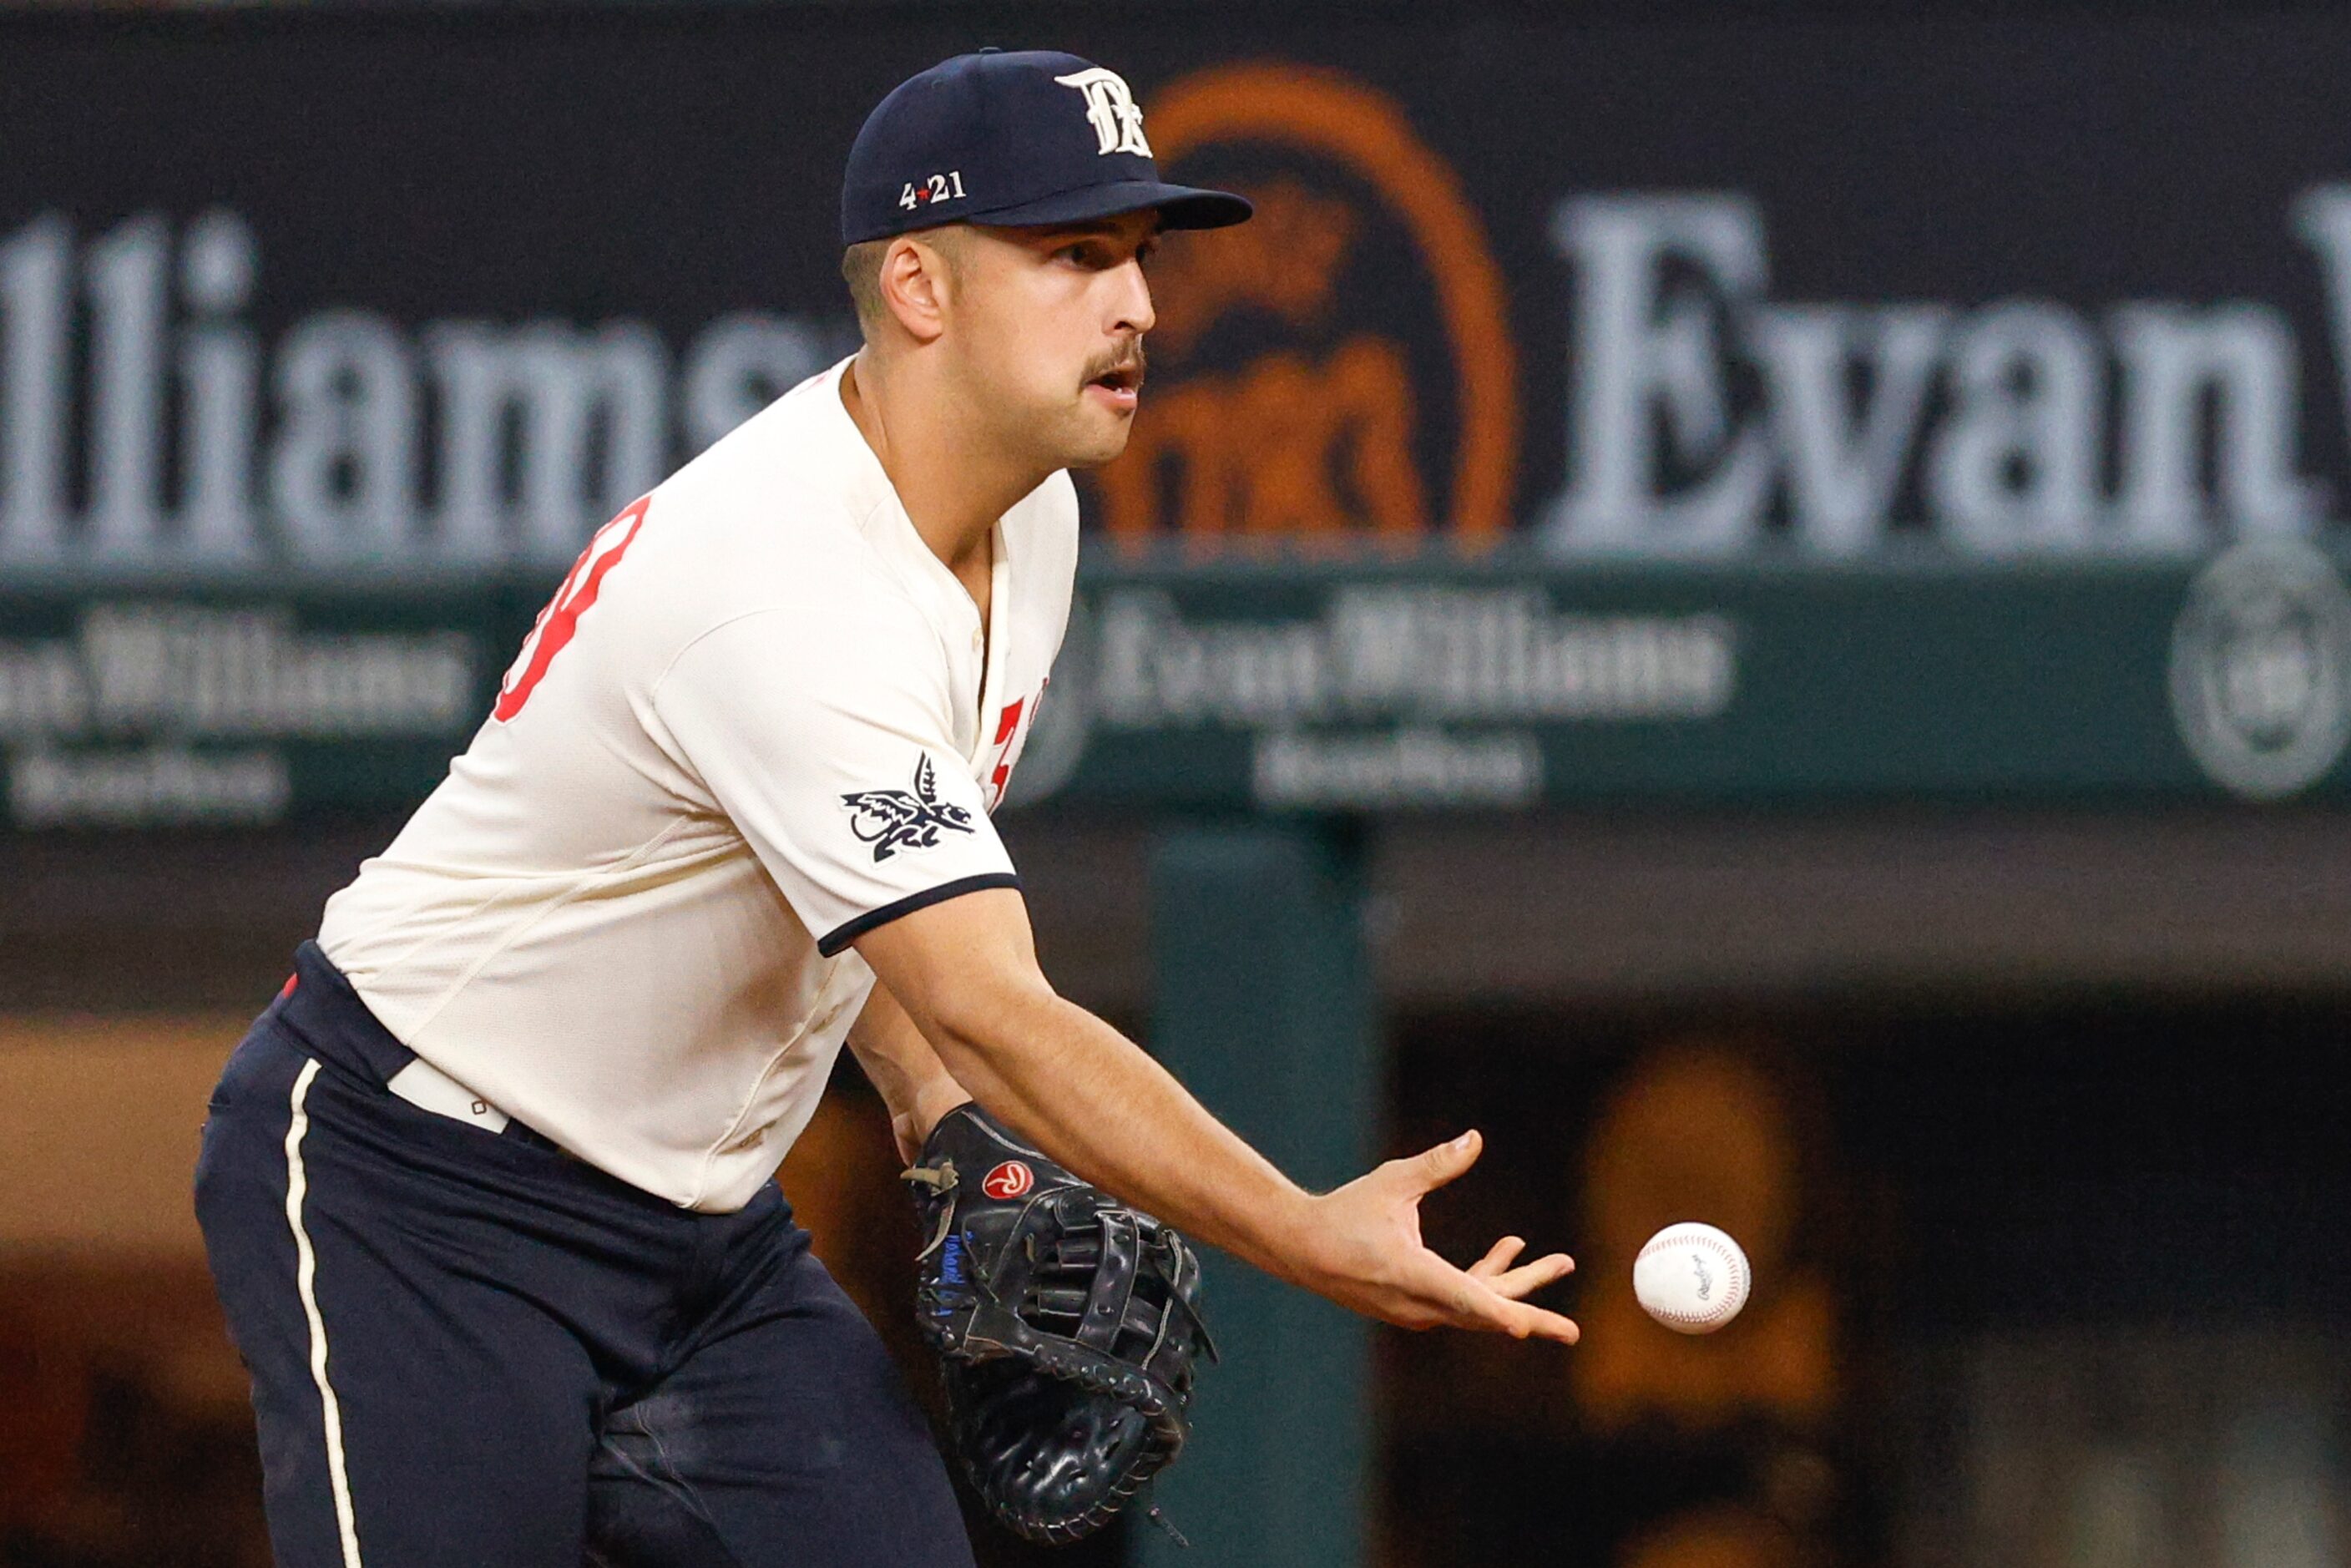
893 819
1012 1179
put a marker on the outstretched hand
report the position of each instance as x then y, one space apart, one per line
1366 1254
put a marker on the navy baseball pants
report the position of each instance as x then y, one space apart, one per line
470 1349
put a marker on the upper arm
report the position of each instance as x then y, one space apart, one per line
962 968
821 732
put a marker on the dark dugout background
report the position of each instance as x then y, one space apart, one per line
2017 1063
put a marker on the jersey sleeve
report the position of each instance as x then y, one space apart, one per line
834 760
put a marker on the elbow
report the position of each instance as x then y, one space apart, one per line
977 1021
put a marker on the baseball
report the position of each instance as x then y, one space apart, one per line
1691 1277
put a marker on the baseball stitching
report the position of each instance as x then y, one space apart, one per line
1733 1265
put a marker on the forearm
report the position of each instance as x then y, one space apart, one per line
904 1070
1092 1100
966 970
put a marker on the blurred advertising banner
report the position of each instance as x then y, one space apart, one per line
1774 407
1491 685
1420 685
203 710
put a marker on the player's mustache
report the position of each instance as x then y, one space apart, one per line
1126 361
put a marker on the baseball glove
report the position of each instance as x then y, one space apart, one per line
1067 1326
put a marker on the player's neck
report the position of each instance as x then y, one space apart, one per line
954 483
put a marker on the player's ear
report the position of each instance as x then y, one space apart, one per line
915 287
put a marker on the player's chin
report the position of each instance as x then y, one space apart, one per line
1099 439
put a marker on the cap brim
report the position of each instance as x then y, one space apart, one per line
1179 206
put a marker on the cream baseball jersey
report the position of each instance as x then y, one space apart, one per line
758 718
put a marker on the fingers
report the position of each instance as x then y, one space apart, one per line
1458 1298
1433 1168
1426 1291
1520 1282
1533 1322
1479 1306
1495 1269
1498 1257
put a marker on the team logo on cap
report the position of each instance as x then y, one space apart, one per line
893 819
1011 1179
1111 110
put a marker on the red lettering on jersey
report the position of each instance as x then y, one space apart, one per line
1008 721
1011 1179
1007 726
555 625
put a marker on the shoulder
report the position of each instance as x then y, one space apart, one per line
808 667
786 464
764 520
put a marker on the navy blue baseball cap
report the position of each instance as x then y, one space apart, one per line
1029 138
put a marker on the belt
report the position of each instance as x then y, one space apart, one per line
320 1007
423 1086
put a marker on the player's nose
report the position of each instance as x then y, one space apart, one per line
1135 312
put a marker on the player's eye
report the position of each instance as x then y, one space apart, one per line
1084 253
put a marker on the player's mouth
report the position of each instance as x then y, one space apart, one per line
1121 386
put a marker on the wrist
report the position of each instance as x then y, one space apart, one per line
1290 1240
932 1103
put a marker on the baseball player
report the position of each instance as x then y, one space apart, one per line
488 1190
